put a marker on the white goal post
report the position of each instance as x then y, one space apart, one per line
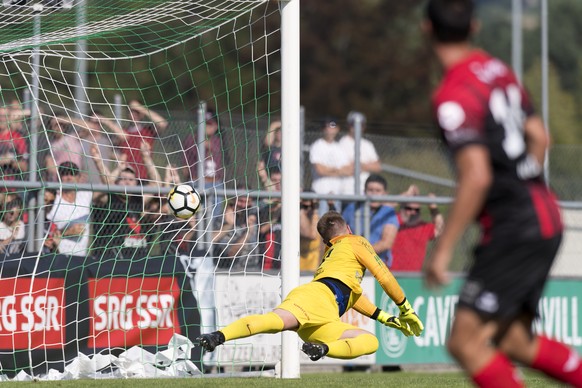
290 106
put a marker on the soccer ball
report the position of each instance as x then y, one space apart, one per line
184 201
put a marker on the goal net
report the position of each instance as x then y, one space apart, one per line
104 106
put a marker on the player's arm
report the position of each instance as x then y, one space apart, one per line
474 180
390 285
365 307
536 138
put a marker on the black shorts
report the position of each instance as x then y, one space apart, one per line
508 279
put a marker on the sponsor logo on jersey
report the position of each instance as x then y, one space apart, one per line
450 115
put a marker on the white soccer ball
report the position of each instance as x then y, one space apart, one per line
183 201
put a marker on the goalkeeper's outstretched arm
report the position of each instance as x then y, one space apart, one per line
365 307
408 316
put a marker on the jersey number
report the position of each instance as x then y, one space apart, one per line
505 106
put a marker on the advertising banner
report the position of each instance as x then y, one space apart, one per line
140 302
43 303
237 296
436 309
559 311
54 307
32 313
126 312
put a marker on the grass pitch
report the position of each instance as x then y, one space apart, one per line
351 380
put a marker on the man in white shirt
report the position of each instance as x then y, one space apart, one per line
330 165
70 215
369 160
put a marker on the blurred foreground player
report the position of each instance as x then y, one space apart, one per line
499 145
314 309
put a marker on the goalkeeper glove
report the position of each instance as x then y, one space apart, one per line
408 317
393 322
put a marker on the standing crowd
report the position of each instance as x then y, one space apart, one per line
246 231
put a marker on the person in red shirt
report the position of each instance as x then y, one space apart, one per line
145 125
412 240
13 149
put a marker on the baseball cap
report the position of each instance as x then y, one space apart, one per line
329 122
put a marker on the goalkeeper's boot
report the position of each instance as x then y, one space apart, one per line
315 351
211 340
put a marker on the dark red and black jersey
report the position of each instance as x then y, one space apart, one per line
481 102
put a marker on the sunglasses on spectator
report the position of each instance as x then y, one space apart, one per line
412 209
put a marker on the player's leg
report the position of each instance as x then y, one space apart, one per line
549 356
517 340
470 344
312 301
272 322
338 340
495 290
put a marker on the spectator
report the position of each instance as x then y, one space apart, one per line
213 165
369 160
412 240
13 149
329 163
69 216
383 223
270 221
89 133
270 154
119 217
236 238
107 135
64 147
145 126
50 195
310 244
18 117
12 228
49 199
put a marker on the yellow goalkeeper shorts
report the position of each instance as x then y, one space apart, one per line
314 306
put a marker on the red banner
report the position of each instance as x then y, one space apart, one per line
136 311
31 313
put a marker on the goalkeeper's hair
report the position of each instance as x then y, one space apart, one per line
330 225
450 19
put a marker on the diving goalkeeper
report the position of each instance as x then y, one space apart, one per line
314 309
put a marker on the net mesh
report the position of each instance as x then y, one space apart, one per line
106 105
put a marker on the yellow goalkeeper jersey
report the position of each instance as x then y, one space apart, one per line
347 260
